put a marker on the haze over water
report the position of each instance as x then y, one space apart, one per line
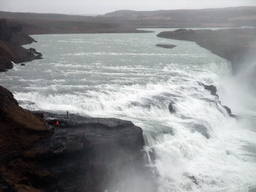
197 148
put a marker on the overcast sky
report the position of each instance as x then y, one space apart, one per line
105 6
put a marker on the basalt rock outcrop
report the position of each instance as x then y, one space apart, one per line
11 40
235 45
94 154
5 64
213 91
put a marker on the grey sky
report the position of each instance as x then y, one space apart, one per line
104 6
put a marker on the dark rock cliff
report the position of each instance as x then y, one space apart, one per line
19 131
51 152
18 126
11 40
94 154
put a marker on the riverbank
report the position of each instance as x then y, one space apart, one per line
236 45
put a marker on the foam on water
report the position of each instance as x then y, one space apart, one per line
199 147
182 149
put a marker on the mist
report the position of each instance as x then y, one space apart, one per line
239 90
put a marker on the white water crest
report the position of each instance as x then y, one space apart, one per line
198 147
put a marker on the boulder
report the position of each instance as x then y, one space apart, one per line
5 64
212 89
35 53
171 107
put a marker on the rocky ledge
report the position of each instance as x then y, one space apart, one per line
52 152
11 40
235 45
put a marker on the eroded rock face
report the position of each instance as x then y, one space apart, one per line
11 39
94 154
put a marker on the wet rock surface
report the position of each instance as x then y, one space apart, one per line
93 154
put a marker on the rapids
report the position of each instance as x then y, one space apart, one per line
199 147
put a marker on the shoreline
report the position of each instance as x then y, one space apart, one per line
12 37
235 45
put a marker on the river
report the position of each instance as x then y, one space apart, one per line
198 147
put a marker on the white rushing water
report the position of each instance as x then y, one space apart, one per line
197 148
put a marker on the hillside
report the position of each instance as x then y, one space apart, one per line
222 17
35 23
126 21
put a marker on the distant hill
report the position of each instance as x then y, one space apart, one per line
37 23
44 16
126 21
231 17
